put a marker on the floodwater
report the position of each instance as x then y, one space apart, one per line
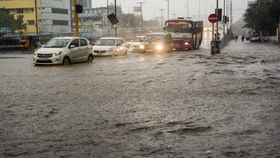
178 105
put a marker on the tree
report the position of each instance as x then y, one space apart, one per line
263 15
11 21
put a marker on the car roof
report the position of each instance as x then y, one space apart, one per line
112 38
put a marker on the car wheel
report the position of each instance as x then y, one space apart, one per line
90 58
66 61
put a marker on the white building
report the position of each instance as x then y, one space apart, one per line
55 16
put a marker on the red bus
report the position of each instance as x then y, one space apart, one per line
186 34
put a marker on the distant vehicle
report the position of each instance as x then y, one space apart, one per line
29 42
134 45
109 46
255 36
186 34
64 50
157 42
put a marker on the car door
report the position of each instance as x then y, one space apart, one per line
119 42
84 49
74 50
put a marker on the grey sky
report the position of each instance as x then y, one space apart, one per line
151 8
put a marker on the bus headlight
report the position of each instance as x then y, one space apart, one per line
187 43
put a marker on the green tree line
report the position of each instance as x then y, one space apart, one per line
11 21
263 15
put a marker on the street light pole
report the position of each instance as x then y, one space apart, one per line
141 12
116 28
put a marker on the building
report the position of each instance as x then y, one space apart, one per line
42 16
85 3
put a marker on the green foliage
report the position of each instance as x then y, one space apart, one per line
11 21
263 15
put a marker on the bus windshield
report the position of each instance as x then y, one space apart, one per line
178 27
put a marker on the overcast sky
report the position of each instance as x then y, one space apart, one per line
178 8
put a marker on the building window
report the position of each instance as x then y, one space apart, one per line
60 22
28 10
59 11
19 11
30 22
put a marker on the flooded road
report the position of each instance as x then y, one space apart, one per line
181 105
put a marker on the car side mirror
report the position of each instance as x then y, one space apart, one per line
72 46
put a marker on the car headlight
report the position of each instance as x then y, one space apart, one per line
121 48
159 47
57 54
142 47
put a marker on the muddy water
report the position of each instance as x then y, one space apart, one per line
184 104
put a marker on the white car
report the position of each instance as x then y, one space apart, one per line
64 50
109 46
134 45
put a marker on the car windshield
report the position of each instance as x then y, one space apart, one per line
179 27
105 42
57 43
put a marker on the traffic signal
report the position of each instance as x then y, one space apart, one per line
219 13
113 19
79 8
225 19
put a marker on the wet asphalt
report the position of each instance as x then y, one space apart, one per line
158 105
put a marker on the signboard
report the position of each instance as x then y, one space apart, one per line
213 18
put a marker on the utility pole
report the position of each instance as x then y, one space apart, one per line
108 25
36 17
141 14
116 28
161 17
167 9
217 24
77 32
231 17
224 18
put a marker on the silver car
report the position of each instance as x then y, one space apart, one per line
64 50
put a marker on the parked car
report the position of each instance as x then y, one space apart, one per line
109 46
64 50
157 42
134 45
